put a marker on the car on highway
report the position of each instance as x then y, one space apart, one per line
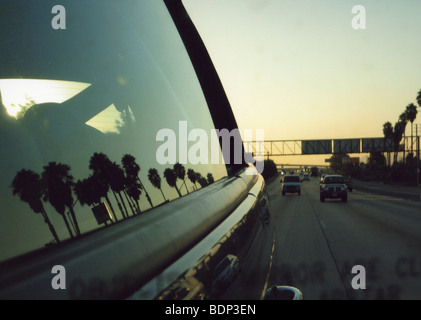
333 187
92 206
306 177
291 184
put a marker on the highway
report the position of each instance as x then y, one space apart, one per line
318 243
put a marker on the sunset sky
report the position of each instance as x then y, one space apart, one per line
299 70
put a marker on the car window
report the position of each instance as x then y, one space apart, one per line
330 180
94 118
292 179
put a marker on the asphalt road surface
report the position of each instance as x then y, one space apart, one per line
317 244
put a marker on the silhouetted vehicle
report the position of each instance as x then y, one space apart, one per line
291 184
333 187
314 171
89 108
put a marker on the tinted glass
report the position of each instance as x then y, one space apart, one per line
329 180
292 179
81 108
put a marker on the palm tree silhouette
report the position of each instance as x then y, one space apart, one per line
132 169
411 114
388 134
133 190
171 178
99 164
191 174
155 179
84 193
403 122
210 178
90 191
180 172
202 181
28 186
117 180
388 130
419 98
398 132
58 191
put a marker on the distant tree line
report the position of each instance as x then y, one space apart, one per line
381 167
269 169
56 185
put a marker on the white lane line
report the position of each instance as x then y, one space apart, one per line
270 268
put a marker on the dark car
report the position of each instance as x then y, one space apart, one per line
333 187
93 93
291 184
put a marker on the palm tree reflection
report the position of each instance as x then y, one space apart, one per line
191 174
180 172
90 191
58 191
132 169
56 186
99 164
27 185
155 180
171 178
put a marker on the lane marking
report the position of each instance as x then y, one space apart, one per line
262 296
322 226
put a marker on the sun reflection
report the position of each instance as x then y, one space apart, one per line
107 120
110 120
19 95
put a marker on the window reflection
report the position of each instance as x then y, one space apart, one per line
20 94
79 153
110 120
56 186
